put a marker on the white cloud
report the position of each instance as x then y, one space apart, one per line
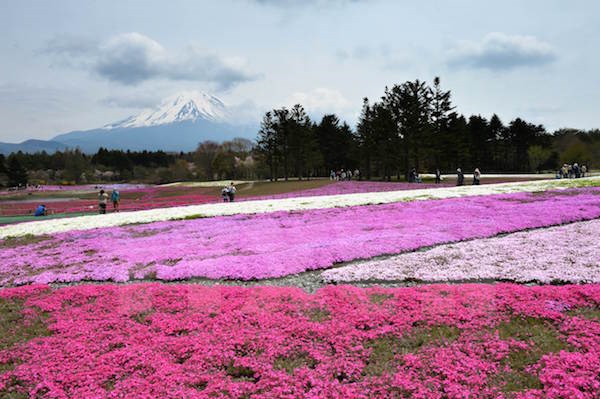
321 99
132 58
499 51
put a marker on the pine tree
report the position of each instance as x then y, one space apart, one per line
441 107
17 175
282 127
410 107
366 137
267 145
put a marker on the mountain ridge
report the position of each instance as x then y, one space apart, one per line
179 123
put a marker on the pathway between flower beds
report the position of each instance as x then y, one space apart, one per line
153 340
279 244
287 204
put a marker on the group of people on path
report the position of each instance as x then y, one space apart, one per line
103 197
342 175
413 177
460 177
228 193
571 171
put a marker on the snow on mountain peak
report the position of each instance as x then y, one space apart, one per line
184 106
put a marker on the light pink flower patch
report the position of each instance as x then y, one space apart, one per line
558 254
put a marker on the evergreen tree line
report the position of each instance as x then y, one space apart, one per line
228 160
72 166
413 125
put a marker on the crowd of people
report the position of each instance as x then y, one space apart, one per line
342 175
571 171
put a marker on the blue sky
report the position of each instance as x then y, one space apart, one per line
71 65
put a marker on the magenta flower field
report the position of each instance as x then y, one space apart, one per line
352 187
186 341
279 244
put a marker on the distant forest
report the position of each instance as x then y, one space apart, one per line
412 125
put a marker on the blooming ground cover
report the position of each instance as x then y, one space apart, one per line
71 188
430 341
189 341
351 187
285 204
568 253
86 201
150 197
281 243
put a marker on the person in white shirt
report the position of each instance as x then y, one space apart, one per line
231 192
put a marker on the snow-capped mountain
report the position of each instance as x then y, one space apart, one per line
184 106
179 123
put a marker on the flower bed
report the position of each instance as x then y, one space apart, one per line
279 244
83 199
74 205
286 204
353 187
159 197
558 254
152 340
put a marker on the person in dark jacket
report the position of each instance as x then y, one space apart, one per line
476 177
460 177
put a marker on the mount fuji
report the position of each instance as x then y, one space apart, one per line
179 123
185 106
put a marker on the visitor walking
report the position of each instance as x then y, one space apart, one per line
231 192
460 177
476 177
356 174
102 202
583 170
225 194
115 197
332 175
438 176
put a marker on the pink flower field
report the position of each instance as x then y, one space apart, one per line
568 253
188 341
352 187
281 243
